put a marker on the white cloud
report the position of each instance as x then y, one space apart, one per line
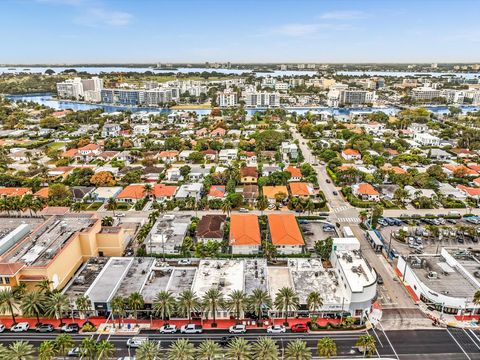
297 29
101 17
344 15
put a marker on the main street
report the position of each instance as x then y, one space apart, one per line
397 344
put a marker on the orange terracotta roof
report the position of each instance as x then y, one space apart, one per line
344 167
70 153
172 153
394 169
43 193
471 191
367 189
132 192
300 189
162 190
284 230
474 167
90 147
453 168
271 191
351 152
248 171
244 230
477 181
32 277
10 269
295 172
12 191
217 191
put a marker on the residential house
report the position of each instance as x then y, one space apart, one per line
189 191
365 192
285 234
111 130
351 154
14 191
82 193
216 192
183 156
248 175
471 192
426 139
250 157
301 189
269 170
296 174
104 193
88 152
218 132
250 193
211 228
227 155
244 236
198 172
271 191
210 155
141 130
169 156
289 151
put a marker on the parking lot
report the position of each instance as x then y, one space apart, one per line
430 235
313 231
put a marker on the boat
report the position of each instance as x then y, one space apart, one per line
12 69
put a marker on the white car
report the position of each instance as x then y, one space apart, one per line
184 262
276 329
2 328
135 342
168 329
75 352
20 327
120 215
237 329
191 329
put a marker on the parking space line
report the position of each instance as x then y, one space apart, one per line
461 348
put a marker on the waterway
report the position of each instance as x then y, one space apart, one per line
47 100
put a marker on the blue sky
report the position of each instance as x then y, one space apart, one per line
106 31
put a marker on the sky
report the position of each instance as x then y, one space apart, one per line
159 31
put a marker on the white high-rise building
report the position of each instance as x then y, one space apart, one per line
227 98
78 89
262 99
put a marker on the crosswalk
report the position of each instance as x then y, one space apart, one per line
350 220
340 209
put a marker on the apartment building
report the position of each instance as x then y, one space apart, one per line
262 99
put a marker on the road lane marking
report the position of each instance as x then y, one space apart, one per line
391 345
472 338
461 348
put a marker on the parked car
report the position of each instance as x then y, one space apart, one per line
299 328
237 329
135 342
191 329
379 279
327 181
168 329
225 340
335 193
44 328
2 328
20 327
276 329
243 210
184 262
70 328
120 215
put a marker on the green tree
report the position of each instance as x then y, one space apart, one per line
212 302
326 347
239 349
105 349
8 302
237 302
314 301
260 300
297 350
112 205
265 348
187 303
84 305
367 344
286 300
148 350
135 302
181 349
118 305
476 297
208 350
64 343
47 350
227 207
33 304
107 221
59 195
20 350
56 305
164 304
269 250
88 348
324 248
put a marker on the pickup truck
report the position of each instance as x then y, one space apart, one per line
191 329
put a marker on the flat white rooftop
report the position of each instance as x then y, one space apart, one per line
356 270
226 275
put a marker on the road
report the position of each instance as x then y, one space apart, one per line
346 215
398 344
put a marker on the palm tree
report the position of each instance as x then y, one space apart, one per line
259 300
239 349
47 350
236 302
56 305
367 343
269 250
286 301
20 350
227 207
212 301
112 205
44 286
476 298
84 305
326 347
105 349
298 350
19 290
262 203
33 304
187 303
148 350
147 189
64 343
27 201
7 303
314 301
164 304
76 207
208 350
118 308
88 348
265 348
135 303
181 349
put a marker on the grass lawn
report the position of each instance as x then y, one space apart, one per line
123 206
95 206
56 145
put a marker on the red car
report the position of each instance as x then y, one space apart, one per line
299 328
